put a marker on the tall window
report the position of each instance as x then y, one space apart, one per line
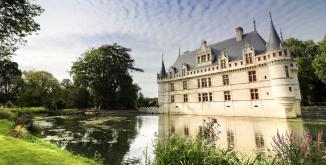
254 94
172 86
185 98
249 58
198 60
183 72
209 82
203 58
227 95
184 84
172 98
225 79
199 97
205 96
198 83
208 57
223 64
204 82
210 96
286 68
252 76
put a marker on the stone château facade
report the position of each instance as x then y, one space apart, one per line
240 76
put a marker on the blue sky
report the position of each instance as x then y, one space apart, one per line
150 27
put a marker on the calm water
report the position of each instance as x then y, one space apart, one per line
125 139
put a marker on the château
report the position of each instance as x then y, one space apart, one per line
240 76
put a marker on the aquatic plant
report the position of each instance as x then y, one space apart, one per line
292 149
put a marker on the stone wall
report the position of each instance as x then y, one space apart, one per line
314 112
152 110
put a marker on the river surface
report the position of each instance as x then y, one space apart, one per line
128 139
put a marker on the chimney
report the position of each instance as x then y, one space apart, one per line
238 33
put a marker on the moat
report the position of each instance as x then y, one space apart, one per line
125 139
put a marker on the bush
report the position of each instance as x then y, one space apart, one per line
291 149
179 150
4 114
9 104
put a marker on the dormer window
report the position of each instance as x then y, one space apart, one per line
249 58
203 54
183 72
223 64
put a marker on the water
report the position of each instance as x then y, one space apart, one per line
125 139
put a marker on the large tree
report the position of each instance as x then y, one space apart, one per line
16 22
40 89
10 77
309 56
104 71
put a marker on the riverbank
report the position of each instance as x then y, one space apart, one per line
34 151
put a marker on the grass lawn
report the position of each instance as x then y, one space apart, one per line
5 126
14 151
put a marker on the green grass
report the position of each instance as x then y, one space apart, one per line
15 151
34 151
5 126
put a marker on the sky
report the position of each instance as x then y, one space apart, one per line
152 27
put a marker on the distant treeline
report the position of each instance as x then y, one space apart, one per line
101 80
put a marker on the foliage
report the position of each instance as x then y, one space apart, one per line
4 114
291 149
311 72
319 65
104 72
17 21
209 132
40 88
146 101
178 150
10 76
25 109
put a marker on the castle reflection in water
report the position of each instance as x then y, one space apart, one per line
240 133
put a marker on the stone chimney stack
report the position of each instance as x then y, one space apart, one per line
238 33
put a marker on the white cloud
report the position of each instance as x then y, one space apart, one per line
70 27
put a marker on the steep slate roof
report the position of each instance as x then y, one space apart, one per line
232 47
163 72
274 40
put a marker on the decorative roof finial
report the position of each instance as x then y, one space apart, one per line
179 51
254 21
270 16
163 72
281 35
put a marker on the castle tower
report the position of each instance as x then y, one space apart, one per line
281 78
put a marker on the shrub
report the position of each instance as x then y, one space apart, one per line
4 114
291 149
9 104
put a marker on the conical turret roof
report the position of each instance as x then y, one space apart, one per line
274 39
163 72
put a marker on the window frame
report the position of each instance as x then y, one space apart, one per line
227 95
226 79
254 94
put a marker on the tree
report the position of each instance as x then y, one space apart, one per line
104 72
319 65
74 96
16 22
307 54
10 77
40 89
